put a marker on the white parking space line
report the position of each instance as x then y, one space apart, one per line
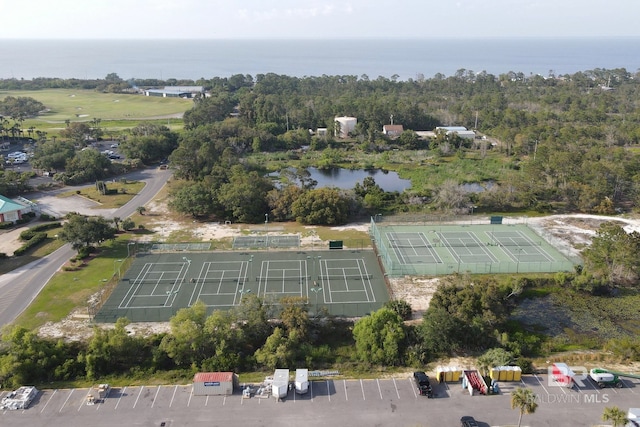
120 398
396 386
190 396
346 396
362 388
413 388
137 398
206 402
311 388
82 402
628 387
50 397
155 397
328 391
540 382
224 400
379 389
592 386
66 400
173 396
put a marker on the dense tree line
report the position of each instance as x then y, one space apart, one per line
244 339
559 142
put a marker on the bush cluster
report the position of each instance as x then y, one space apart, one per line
31 243
28 234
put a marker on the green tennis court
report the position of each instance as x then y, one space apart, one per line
157 285
439 249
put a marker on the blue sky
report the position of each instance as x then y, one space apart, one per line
297 19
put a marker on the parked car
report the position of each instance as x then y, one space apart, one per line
423 384
468 421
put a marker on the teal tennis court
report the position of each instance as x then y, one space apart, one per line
346 283
441 249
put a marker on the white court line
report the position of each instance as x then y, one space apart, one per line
66 400
120 398
50 397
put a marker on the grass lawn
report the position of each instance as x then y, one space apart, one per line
44 249
68 290
126 191
116 111
86 105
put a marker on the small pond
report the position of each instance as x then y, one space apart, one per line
347 178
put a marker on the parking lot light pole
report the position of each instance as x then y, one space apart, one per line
316 289
114 267
128 246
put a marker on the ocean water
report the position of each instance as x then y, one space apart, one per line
402 59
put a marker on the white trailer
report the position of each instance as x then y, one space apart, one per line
280 384
19 399
302 381
633 417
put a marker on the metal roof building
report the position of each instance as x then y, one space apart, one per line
214 383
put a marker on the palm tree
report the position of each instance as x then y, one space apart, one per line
525 400
614 414
116 221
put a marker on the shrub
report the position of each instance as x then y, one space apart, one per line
46 217
6 224
28 234
31 243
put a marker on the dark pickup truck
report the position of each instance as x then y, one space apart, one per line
423 384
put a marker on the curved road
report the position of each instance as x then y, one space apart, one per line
19 287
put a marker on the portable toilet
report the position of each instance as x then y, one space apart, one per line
494 373
509 373
517 373
456 373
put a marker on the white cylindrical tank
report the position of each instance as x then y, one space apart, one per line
346 125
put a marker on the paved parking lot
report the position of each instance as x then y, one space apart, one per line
336 402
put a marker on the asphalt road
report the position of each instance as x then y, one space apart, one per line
21 286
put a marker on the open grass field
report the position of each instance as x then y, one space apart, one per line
116 111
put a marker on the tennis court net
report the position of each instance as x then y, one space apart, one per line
463 244
519 243
347 277
409 246
281 278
